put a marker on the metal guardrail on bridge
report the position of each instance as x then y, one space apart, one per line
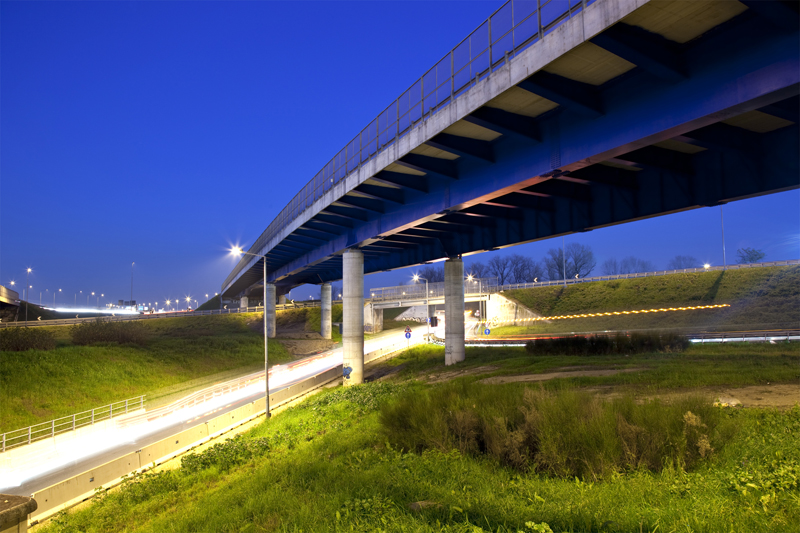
514 27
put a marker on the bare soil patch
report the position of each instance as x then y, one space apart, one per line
566 372
307 346
452 374
777 395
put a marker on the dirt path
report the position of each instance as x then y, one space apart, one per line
562 373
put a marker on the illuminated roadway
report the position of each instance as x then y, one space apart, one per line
31 468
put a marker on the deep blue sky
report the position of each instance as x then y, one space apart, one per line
161 132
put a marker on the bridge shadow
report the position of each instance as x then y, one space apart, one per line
711 295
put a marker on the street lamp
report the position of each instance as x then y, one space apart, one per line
188 301
236 251
28 296
480 295
54 297
132 263
167 306
416 278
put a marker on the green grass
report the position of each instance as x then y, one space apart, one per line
32 383
326 466
758 297
701 365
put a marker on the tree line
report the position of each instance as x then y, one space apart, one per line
575 260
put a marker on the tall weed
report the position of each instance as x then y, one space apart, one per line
20 339
619 344
104 331
565 433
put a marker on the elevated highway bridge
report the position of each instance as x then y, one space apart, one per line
553 117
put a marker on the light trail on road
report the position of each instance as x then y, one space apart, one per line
26 469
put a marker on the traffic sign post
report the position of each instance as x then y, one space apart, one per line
486 331
408 337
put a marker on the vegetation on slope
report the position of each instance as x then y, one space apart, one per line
758 297
332 464
178 350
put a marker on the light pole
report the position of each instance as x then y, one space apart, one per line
28 295
480 296
722 223
167 306
416 278
54 297
188 301
236 251
132 263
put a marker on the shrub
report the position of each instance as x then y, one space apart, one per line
567 433
619 344
105 331
19 339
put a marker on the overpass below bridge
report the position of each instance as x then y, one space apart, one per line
553 117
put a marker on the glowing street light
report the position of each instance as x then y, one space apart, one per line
706 266
236 252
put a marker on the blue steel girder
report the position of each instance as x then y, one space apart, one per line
721 76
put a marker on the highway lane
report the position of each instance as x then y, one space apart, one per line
28 469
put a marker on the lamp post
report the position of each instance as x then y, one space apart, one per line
27 296
132 263
416 278
54 297
236 251
188 301
722 224
480 296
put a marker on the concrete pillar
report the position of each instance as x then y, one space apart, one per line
353 317
243 301
326 311
453 311
373 319
269 299
282 299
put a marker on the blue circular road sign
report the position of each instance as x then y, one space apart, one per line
486 331
408 334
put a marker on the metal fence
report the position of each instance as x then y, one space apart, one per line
509 286
46 430
145 316
435 290
515 26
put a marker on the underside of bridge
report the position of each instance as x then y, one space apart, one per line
676 106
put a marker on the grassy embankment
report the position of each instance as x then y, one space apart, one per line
340 461
759 298
180 355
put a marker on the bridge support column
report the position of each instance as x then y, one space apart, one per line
282 299
269 308
453 311
325 314
373 319
244 302
353 317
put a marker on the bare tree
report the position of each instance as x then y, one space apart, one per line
479 270
500 267
631 265
336 290
610 267
749 255
524 269
580 261
432 273
679 262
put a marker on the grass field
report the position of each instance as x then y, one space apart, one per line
33 383
329 464
758 298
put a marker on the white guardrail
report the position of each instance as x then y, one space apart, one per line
46 430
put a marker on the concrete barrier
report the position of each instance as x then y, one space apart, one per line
162 450
78 488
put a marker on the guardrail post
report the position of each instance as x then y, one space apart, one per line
53 427
73 422
4 443
126 407
92 416
29 434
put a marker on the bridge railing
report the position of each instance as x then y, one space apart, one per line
515 26
46 430
435 290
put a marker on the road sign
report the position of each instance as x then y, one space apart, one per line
408 329
408 334
486 331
